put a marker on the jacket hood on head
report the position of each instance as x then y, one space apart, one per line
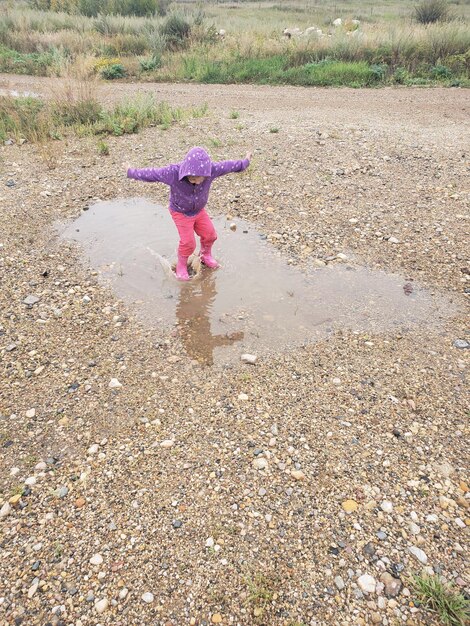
196 163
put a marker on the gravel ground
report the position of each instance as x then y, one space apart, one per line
305 489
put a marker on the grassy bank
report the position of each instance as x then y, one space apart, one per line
35 120
185 45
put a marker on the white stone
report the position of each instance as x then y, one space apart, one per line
366 583
96 559
30 481
5 510
31 413
147 597
101 605
93 449
337 22
419 554
393 240
14 471
32 590
414 528
386 506
123 593
114 383
242 396
260 463
210 542
40 466
432 517
167 443
249 358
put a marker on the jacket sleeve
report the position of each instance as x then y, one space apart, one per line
227 167
165 175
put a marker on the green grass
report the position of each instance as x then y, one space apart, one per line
36 120
451 606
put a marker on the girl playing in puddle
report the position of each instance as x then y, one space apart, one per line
189 183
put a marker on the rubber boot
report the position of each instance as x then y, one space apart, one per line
182 268
207 258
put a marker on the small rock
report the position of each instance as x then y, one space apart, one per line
147 597
79 502
216 618
367 583
350 505
233 226
249 358
30 413
414 528
114 383
393 240
210 542
32 590
177 523
242 396
96 559
5 510
444 469
339 582
30 300
93 449
30 481
461 344
123 593
298 474
62 492
381 535
386 506
392 585
260 463
418 554
167 443
101 605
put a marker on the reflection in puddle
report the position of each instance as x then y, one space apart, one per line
255 303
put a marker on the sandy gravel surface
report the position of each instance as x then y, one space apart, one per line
305 489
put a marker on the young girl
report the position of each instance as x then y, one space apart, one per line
189 183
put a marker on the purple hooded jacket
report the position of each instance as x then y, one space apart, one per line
185 197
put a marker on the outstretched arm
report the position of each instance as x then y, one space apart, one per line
227 167
165 175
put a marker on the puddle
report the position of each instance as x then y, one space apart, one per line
255 303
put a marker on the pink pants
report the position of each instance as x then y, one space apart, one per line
200 224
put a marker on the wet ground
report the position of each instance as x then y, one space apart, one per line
256 302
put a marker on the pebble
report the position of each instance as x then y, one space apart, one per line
216 618
147 597
114 383
392 585
62 492
30 300
5 510
242 396
96 559
444 469
249 358
260 463
34 587
298 474
123 593
461 344
30 413
101 605
419 554
386 506
393 240
167 443
381 535
30 481
339 582
366 583
210 542
93 449
414 528
177 523
350 505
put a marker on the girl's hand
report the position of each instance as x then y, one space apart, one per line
248 156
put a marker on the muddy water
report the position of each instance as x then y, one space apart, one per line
255 302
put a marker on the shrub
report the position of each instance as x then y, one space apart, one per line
401 76
113 71
103 148
69 113
176 29
153 63
440 72
378 72
431 11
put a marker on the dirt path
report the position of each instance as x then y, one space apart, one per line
140 485
433 116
